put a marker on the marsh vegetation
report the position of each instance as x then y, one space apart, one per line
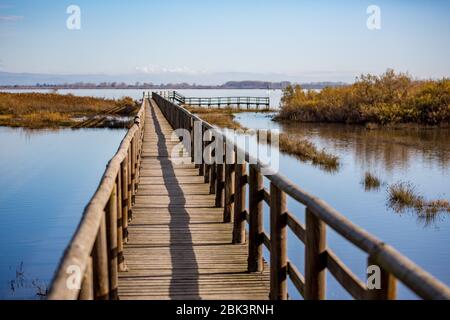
404 195
371 181
391 98
49 110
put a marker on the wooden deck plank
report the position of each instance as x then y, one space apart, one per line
179 247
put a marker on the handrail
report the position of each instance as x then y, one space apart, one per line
219 101
393 265
90 264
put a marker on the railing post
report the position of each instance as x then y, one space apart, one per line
100 257
219 184
201 170
239 203
230 158
207 169
315 272
111 221
191 122
278 244
388 284
124 173
212 182
120 257
255 232
130 183
87 285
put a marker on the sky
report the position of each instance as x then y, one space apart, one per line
314 40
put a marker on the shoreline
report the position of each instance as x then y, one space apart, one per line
371 125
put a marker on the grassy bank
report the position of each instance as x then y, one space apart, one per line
391 98
305 150
296 146
223 118
40 110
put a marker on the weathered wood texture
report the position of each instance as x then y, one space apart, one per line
178 246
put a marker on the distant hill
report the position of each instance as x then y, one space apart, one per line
138 81
239 80
255 85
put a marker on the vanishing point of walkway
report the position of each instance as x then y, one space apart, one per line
178 246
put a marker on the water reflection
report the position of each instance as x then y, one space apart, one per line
46 179
420 156
393 148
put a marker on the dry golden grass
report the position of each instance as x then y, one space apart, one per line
42 110
306 150
403 195
391 98
371 182
222 120
301 148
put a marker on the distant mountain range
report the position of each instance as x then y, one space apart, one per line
147 81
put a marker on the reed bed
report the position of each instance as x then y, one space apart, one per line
404 195
48 110
391 98
371 181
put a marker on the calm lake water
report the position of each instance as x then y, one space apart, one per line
46 179
421 157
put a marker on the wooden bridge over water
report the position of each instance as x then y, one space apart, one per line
255 103
157 229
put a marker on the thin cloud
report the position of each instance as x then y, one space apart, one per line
161 70
11 18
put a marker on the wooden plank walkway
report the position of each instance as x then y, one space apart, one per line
178 246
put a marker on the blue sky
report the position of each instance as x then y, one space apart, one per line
314 40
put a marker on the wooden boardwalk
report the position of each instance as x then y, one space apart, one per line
178 246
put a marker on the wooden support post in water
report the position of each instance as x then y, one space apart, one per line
315 272
230 159
124 176
278 244
100 257
239 203
255 233
87 284
388 284
111 222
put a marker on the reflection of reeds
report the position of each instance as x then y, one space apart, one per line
371 182
403 196
20 281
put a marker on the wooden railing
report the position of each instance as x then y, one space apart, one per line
174 96
232 182
89 267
